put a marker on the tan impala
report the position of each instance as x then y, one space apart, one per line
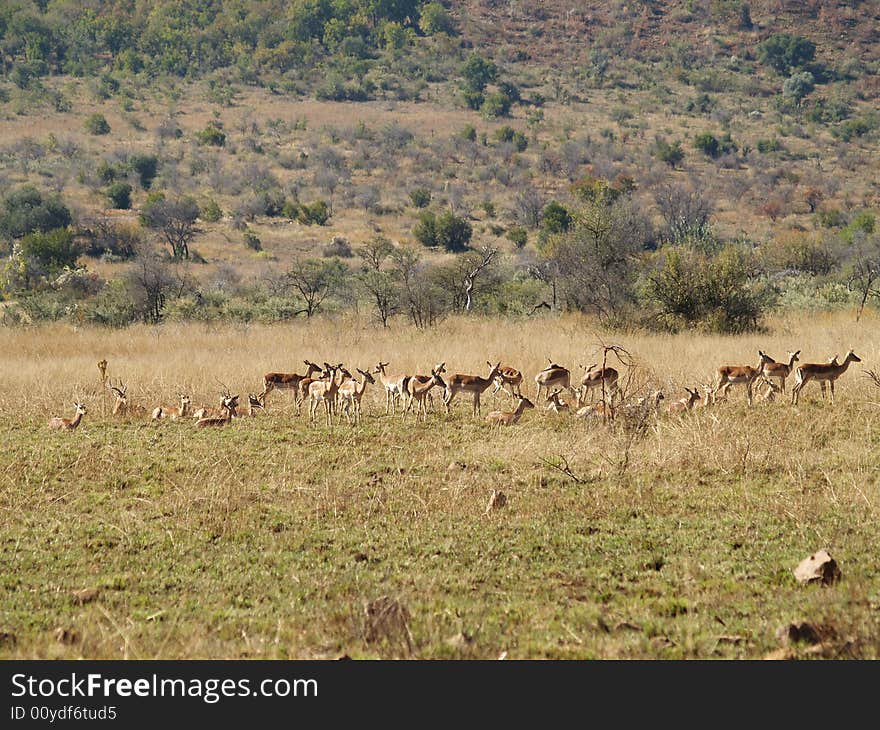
822 373
324 391
508 376
69 424
351 393
394 386
729 375
684 404
508 418
306 383
419 393
557 405
411 383
120 405
772 369
173 412
597 378
553 376
473 384
228 408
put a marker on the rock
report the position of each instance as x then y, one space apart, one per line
819 566
496 500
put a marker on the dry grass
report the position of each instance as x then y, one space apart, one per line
271 538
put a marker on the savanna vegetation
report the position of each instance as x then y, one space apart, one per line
201 192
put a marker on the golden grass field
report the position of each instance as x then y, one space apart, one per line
268 538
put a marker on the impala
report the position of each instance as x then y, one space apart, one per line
411 383
120 406
553 376
643 407
772 369
394 386
556 404
420 392
229 406
351 393
769 395
68 424
474 384
508 418
324 391
737 374
508 376
601 378
821 372
594 410
306 383
685 404
291 381
173 412
256 403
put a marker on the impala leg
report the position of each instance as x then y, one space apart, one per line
831 383
447 398
822 385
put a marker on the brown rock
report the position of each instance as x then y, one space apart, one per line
819 566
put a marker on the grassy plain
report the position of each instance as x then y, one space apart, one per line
268 538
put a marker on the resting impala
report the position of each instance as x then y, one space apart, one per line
821 372
508 418
556 404
256 403
684 404
68 424
642 408
772 369
289 381
394 386
419 393
228 406
770 393
597 377
174 412
508 376
737 374
351 393
474 384
553 376
120 406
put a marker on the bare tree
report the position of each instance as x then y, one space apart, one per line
176 222
527 207
420 292
314 280
379 283
685 210
475 267
865 275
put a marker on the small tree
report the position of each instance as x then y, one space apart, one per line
784 52
376 280
556 218
146 167
433 19
671 154
175 220
453 233
119 195
314 280
97 124
797 86
26 210
51 251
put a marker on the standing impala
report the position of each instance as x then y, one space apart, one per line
419 392
289 381
351 393
508 376
597 377
324 391
69 424
553 376
394 386
772 369
474 384
735 375
821 372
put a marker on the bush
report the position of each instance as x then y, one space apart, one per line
713 147
433 19
119 195
768 145
317 213
671 154
496 104
145 166
26 210
252 241
211 212
783 52
211 135
420 197
339 247
53 250
446 230
797 86
556 218
854 128
469 132
518 236
97 124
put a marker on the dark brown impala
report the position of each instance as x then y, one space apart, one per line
772 369
289 381
474 384
826 372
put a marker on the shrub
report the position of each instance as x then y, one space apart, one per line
518 236
54 250
469 132
145 166
97 124
671 154
797 86
556 218
783 52
211 212
496 104
420 197
119 195
317 213
433 18
252 241
768 145
707 144
854 128
26 210
446 230
211 135
340 247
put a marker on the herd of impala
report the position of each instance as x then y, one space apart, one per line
330 386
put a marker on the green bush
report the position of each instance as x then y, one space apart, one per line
556 218
768 145
671 154
97 124
211 212
784 52
145 166
252 241
26 210
211 135
496 104
420 197
518 235
446 230
317 213
119 195
53 250
433 18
